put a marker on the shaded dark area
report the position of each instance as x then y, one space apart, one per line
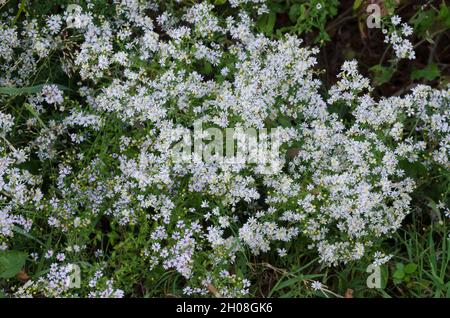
350 38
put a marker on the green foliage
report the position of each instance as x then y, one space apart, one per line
26 90
303 18
430 72
382 74
404 272
266 23
423 270
11 262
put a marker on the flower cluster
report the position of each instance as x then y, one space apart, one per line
99 172
397 37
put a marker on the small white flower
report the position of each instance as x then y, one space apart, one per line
282 252
49 254
54 24
447 212
396 20
316 285
52 94
406 29
60 257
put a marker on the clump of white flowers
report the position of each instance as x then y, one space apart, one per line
144 85
52 94
397 37
60 282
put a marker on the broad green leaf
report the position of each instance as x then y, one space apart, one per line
261 23
423 21
410 268
430 72
271 22
399 267
384 276
399 275
266 23
295 11
11 262
382 74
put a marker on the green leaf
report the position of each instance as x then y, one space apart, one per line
413 169
423 21
410 268
271 22
400 267
295 11
444 14
207 68
397 281
22 8
266 23
11 262
357 4
382 74
220 2
447 295
261 23
33 111
285 121
26 90
384 276
277 7
399 275
430 72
